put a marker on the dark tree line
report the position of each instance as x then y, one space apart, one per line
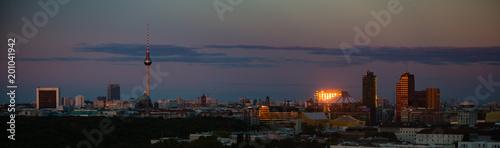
128 132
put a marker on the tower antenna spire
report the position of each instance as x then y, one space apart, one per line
147 40
147 61
406 66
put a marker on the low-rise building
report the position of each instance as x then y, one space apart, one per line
444 135
479 144
467 118
403 131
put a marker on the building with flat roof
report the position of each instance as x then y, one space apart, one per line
443 135
47 98
405 91
113 92
467 118
370 95
433 98
79 101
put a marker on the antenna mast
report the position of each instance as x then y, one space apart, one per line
147 40
406 67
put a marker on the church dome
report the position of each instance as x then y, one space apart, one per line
143 103
144 98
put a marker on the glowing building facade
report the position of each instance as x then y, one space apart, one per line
405 90
433 98
326 95
277 113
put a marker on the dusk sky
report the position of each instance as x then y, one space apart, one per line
276 48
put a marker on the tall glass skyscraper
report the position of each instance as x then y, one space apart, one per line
113 92
370 95
405 90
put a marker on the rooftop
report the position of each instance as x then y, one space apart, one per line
316 116
453 131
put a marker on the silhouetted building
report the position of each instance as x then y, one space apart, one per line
420 99
144 103
47 98
432 98
203 101
268 102
370 95
405 90
113 92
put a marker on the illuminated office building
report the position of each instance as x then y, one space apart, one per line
405 90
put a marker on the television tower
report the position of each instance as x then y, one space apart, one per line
147 61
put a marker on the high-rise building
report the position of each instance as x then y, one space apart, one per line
113 92
203 101
419 100
268 101
47 98
147 62
370 95
405 90
432 99
68 101
79 101
428 98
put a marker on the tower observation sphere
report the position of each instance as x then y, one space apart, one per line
147 61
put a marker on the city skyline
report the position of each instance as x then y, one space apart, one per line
292 57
